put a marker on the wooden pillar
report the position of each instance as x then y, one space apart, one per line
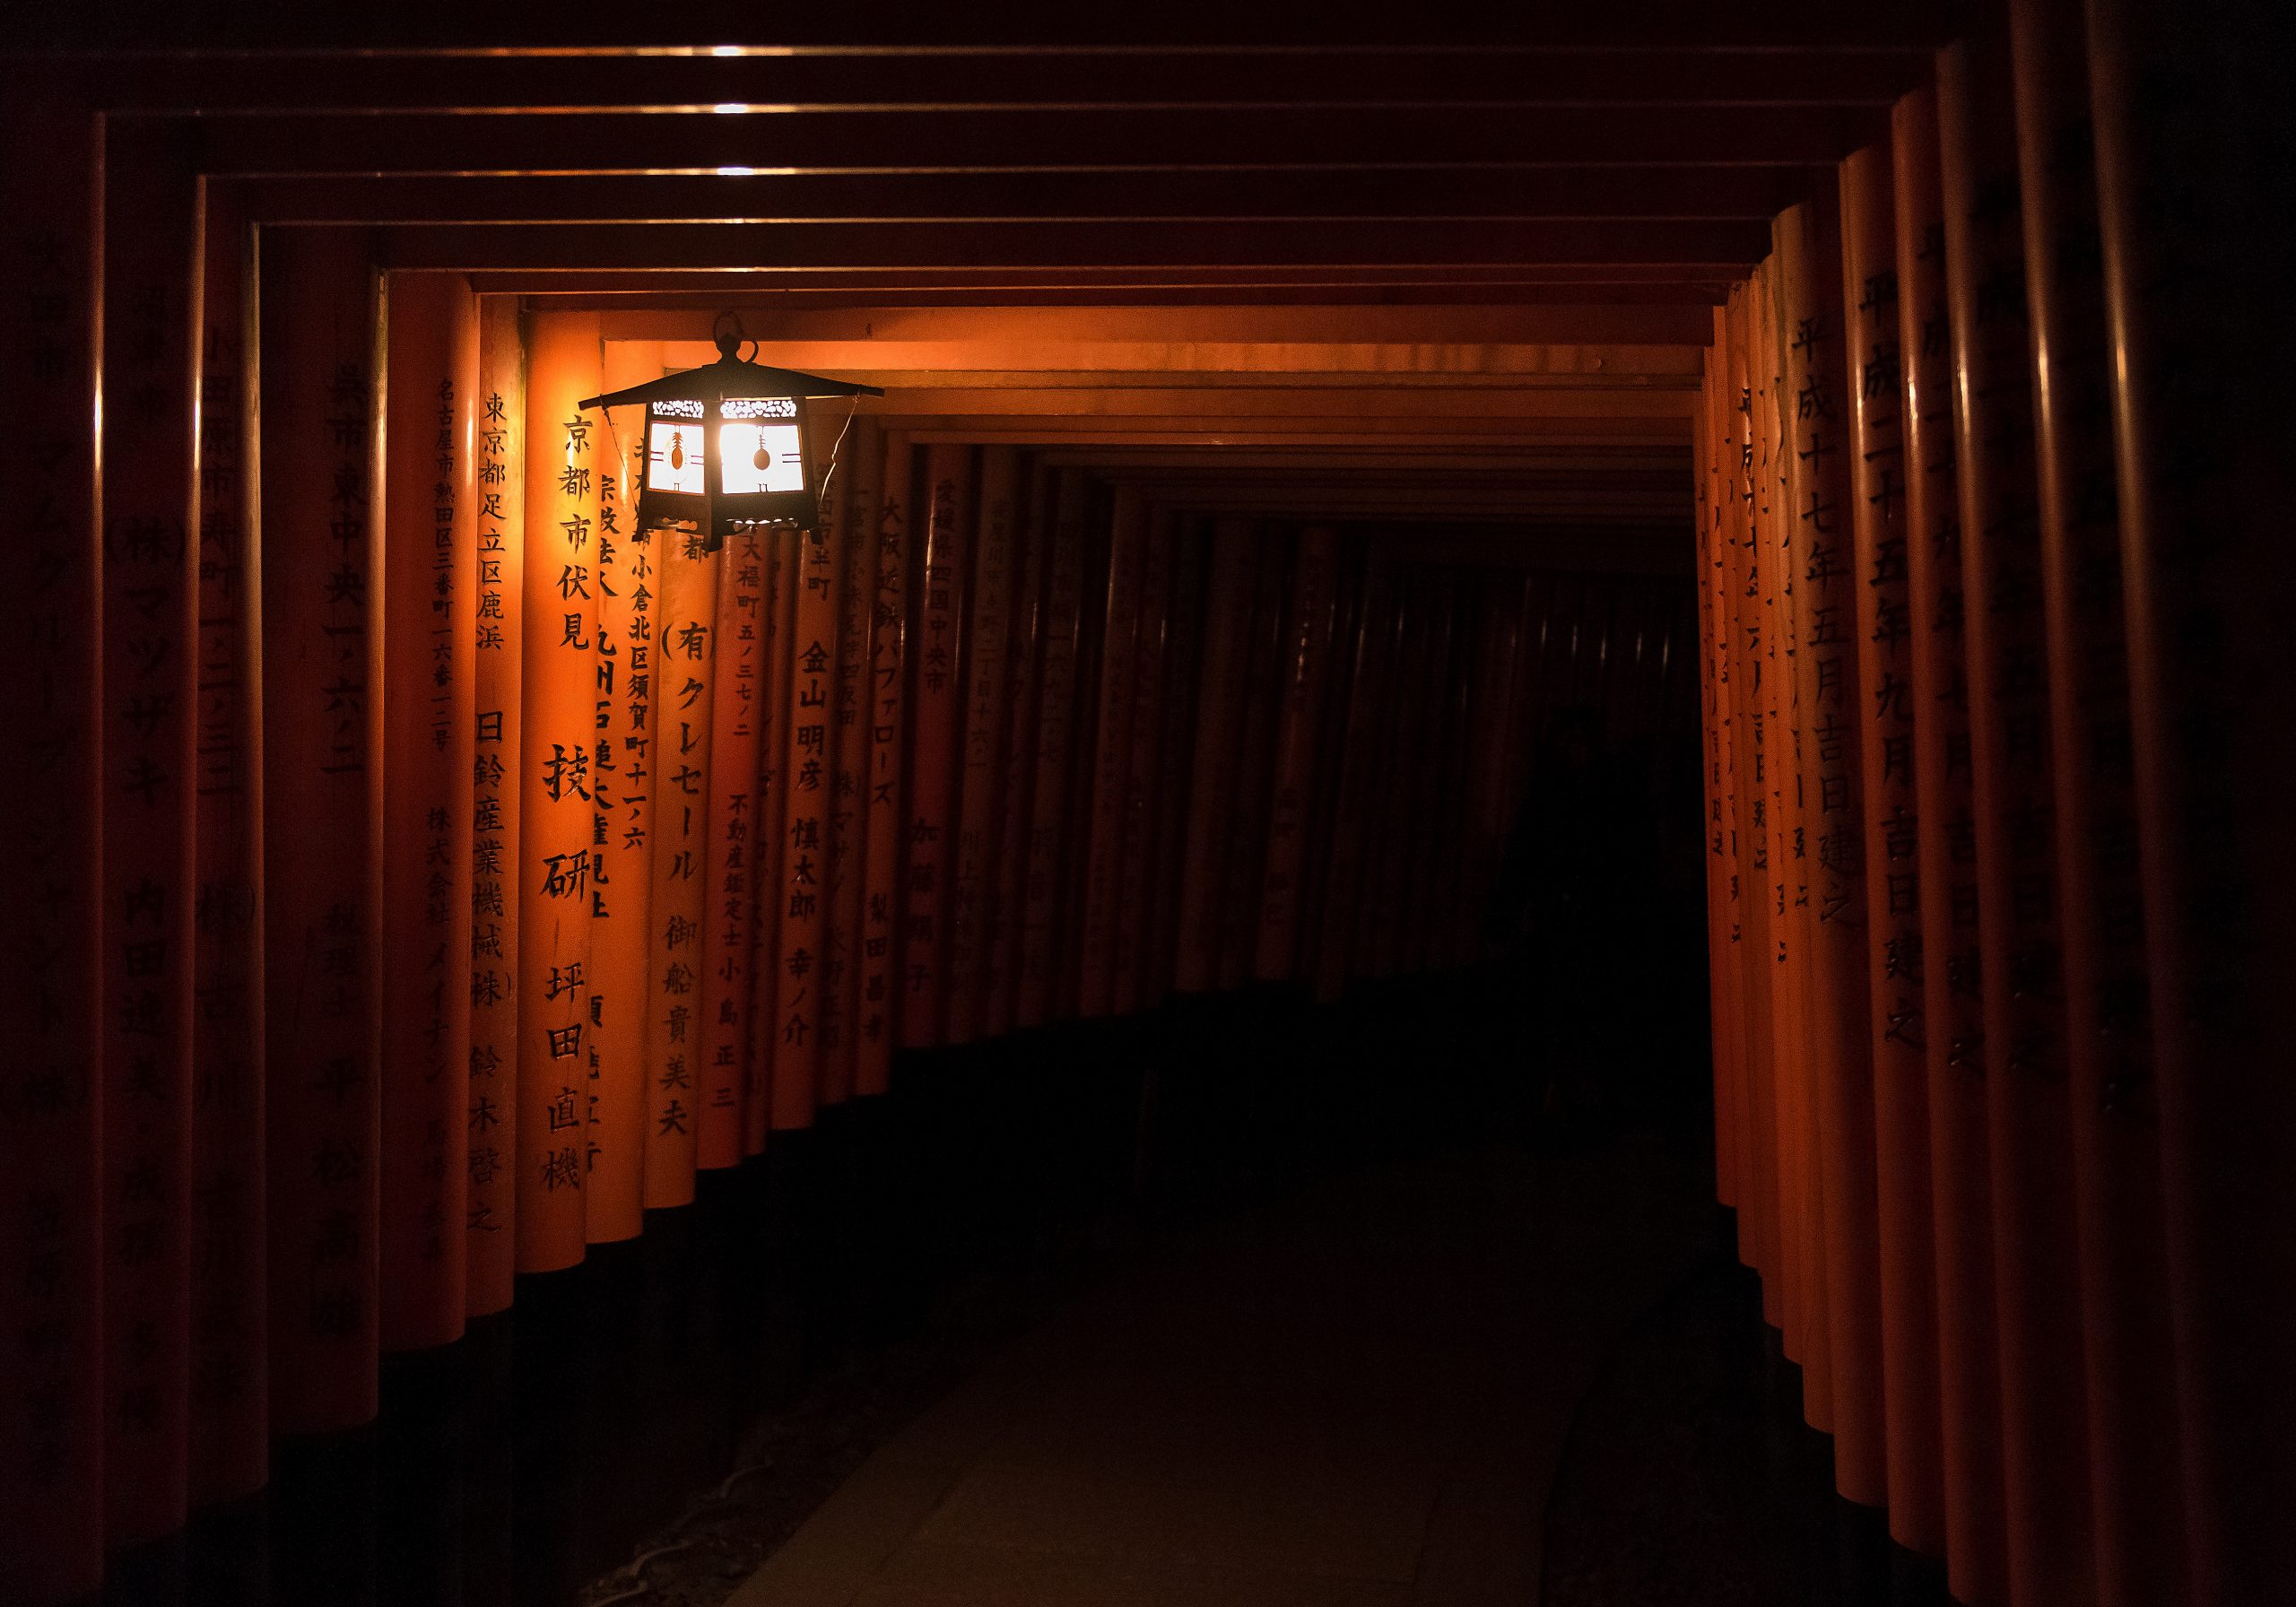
1370 664
684 662
2127 1332
1954 1027
1054 788
2193 162
565 454
940 563
624 699
499 648
1136 874
1305 667
1255 727
231 1428
430 613
1759 1230
848 844
739 727
971 862
1016 786
1798 1267
1168 808
1832 692
1895 972
1118 607
1725 953
2036 1261
322 600
784 561
152 343
804 894
52 1416
1220 697
887 862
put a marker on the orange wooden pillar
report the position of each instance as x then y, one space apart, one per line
623 778
1256 726
1820 374
1306 668
1789 890
861 500
1168 805
1119 609
1130 947
1220 700
1433 714
1331 757
1379 909
885 696
784 562
1017 783
2191 131
51 1179
498 651
231 1430
685 665
152 255
2036 1261
803 897
1499 630
1961 1173
2135 1453
1054 785
1724 958
1800 1263
1895 973
430 616
322 813
1753 665
1795 808
565 454
971 860
1369 662
739 726
939 564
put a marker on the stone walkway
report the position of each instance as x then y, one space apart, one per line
1356 1397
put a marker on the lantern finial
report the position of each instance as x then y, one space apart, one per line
726 330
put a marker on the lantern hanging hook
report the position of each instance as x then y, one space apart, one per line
726 331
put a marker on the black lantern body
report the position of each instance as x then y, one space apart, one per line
727 444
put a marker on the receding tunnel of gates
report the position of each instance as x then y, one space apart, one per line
1011 741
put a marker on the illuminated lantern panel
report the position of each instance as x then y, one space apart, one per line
675 448
761 446
726 443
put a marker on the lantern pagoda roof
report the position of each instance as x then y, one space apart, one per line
730 376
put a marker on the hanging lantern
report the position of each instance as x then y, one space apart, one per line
727 444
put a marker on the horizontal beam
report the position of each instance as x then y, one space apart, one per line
310 80
1099 140
1689 193
1686 302
1290 402
1200 430
904 28
1205 366
1049 328
1721 248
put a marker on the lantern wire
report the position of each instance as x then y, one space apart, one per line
829 472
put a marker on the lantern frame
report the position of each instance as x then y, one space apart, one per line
732 395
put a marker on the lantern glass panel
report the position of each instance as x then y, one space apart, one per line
674 448
761 446
761 457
